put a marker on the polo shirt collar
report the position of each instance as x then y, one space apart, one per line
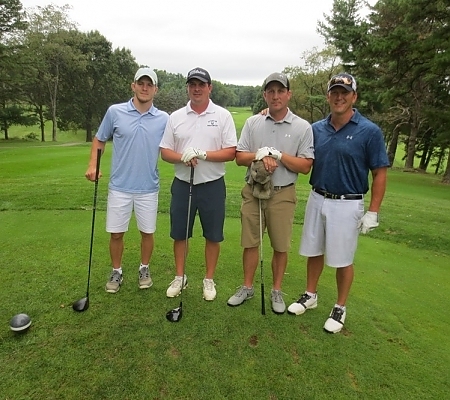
131 107
287 118
209 109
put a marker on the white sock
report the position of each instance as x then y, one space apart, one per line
118 269
143 266
313 295
341 307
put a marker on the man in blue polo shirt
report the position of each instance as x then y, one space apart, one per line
347 146
136 128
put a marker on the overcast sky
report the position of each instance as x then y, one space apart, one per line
237 41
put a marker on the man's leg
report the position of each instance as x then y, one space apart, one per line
250 257
279 262
116 249
314 268
212 251
147 244
344 280
178 251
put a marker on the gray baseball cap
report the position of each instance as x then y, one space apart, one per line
277 77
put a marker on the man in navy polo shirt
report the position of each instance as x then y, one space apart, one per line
136 128
347 146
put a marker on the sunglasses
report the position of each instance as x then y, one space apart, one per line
345 80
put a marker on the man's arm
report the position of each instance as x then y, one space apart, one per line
379 178
90 173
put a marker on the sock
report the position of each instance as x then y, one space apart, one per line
118 269
313 295
143 266
341 307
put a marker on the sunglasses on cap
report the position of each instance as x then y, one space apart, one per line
345 80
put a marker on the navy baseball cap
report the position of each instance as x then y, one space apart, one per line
200 74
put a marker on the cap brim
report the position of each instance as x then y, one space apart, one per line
347 87
141 76
198 78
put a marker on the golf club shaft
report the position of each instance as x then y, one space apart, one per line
263 306
191 183
94 207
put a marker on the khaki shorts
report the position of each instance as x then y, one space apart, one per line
277 217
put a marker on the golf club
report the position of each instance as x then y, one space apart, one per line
83 304
176 314
263 306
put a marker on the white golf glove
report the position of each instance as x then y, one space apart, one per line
261 153
192 152
368 222
274 153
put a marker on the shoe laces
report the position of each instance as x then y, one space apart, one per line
277 296
115 276
242 291
337 313
303 298
176 283
208 284
144 273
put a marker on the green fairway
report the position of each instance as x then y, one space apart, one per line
394 344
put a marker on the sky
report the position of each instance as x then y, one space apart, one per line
238 41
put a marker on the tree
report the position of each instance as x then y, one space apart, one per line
49 55
12 22
309 82
399 54
99 78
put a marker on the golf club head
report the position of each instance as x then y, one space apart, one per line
175 314
81 305
20 323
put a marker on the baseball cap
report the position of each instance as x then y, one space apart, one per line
145 71
345 80
200 74
277 77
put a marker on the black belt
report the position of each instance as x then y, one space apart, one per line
338 196
282 187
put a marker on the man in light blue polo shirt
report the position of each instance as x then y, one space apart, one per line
136 128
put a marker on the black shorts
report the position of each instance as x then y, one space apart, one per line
208 199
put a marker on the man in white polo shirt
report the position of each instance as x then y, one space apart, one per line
202 136
136 128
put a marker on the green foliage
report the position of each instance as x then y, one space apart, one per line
12 18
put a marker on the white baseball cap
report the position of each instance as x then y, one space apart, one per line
145 71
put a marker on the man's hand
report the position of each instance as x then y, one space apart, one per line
368 222
261 153
274 153
192 152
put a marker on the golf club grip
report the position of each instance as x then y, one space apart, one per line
97 165
263 303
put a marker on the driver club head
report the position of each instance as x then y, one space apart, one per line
20 322
175 314
81 305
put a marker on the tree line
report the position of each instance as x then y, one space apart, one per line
398 51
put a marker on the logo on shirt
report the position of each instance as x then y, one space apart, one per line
349 137
212 122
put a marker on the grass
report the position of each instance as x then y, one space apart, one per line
394 345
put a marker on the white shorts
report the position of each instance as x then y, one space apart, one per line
120 206
331 228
